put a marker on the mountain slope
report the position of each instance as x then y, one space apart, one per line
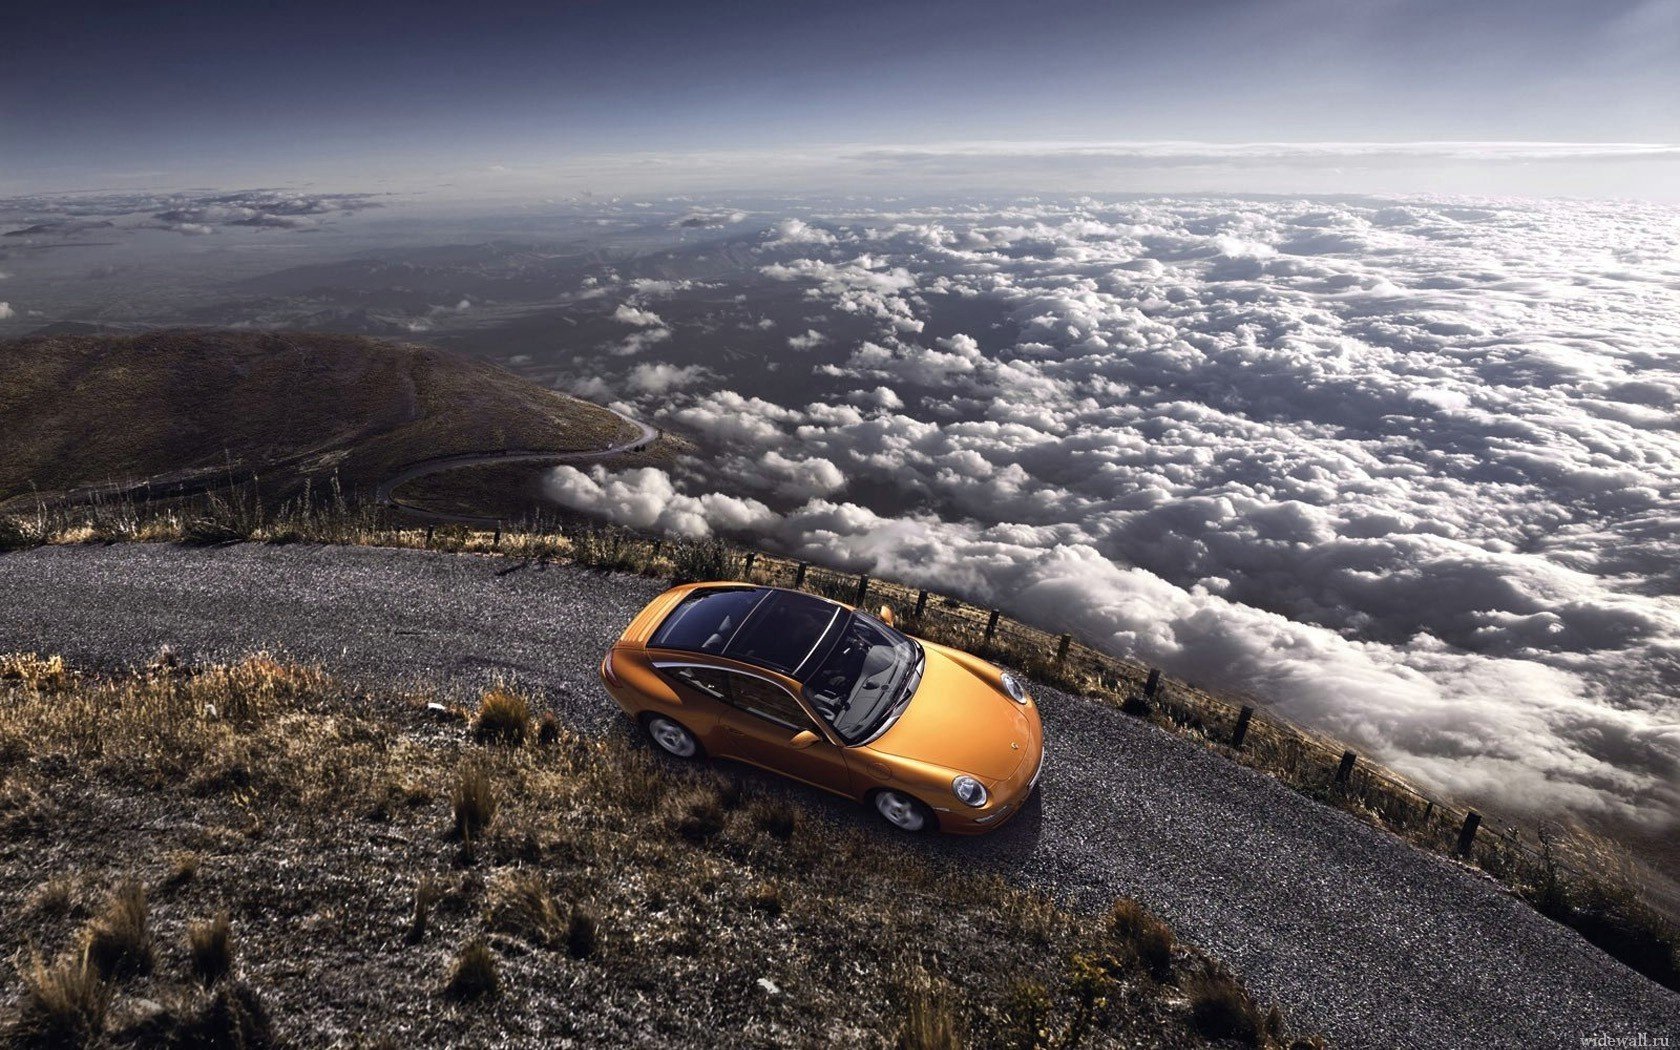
193 407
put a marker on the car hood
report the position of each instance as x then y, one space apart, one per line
959 720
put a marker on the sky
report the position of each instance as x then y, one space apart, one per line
605 93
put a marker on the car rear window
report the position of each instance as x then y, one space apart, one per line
706 620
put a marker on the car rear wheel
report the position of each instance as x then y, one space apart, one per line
672 738
903 812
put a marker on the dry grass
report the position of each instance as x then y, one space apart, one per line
1222 1009
504 717
613 895
521 905
1142 936
118 941
63 1004
473 802
210 948
473 975
930 1022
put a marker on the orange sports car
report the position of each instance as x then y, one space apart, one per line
928 736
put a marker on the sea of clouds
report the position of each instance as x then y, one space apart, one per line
1407 469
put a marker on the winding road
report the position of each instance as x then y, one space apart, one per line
1354 933
386 492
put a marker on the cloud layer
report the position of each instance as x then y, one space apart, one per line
1409 469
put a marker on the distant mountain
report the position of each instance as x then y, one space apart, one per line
182 410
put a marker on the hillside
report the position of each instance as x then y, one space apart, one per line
182 410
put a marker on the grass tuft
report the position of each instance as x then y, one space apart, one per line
118 942
474 974
473 803
63 1005
504 717
521 905
930 1018
696 815
1222 1009
210 948
583 933
776 817
1142 936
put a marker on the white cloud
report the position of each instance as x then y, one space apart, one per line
1410 469
811 338
635 315
6 311
663 378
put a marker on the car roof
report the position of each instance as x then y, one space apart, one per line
769 627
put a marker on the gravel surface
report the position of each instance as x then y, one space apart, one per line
1354 933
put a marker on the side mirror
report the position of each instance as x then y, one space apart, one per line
803 739
887 616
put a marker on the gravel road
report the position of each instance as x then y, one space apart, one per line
1373 943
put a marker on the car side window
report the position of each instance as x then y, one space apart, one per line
766 700
707 680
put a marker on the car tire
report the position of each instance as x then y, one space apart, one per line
905 812
672 737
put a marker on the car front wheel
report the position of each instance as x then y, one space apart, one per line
672 738
903 812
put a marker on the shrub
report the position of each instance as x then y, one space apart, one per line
1142 936
766 898
582 933
474 973
63 1004
210 948
473 802
503 717
118 942
697 560
1221 1008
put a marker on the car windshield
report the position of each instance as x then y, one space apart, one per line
866 680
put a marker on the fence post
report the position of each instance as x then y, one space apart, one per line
799 576
658 546
1428 810
746 573
497 541
862 591
1239 734
428 536
1154 682
1467 834
1062 648
1345 770
991 628
921 603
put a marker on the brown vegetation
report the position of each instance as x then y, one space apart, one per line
588 908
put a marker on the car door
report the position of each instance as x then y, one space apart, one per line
705 697
759 726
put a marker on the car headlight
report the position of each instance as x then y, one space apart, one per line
1012 685
969 790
